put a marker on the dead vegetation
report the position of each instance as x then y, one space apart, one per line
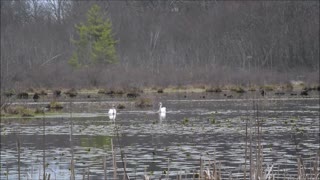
143 102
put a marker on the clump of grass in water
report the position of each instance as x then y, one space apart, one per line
55 105
185 121
143 102
251 88
237 89
268 87
121 106
212 89
71 92
20 111
160 90
9 93
102 91
212 119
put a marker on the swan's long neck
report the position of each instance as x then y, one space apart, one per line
160 107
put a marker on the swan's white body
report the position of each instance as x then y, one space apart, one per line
162 109
112 111
112 116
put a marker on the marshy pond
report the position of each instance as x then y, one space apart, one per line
206 126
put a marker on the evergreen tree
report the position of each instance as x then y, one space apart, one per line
96 44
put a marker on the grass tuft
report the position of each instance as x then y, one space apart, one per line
143 102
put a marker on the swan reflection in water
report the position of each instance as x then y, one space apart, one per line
112 117
162 116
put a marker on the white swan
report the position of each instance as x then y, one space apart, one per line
161 109
112 111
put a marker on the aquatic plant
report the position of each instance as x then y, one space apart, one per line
237 89
143 102
55 105
57 92
214 89
121 106
252 88
101 91
268 87
71 92
19 110
160 91
185 121
22 95
9 93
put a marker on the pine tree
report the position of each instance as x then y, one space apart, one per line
96 44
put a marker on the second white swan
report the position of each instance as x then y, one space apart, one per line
113 110
161 109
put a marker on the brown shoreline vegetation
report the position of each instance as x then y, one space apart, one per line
293 88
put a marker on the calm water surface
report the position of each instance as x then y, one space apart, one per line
196 125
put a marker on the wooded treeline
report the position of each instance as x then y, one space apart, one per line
161 42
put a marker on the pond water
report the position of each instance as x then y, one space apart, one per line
196 126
